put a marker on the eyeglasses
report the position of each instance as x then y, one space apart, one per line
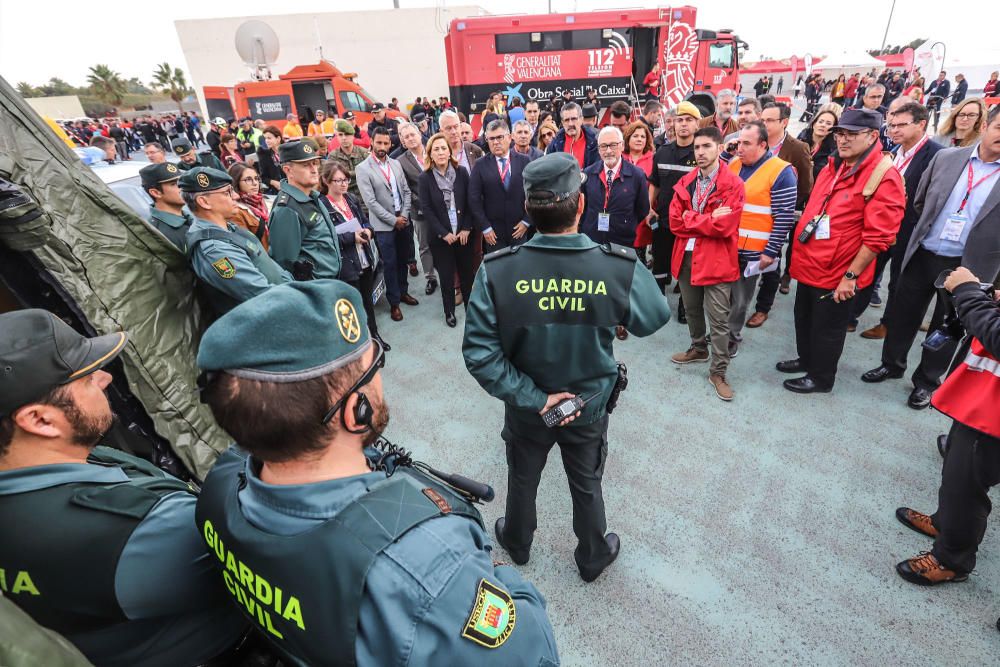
250 179
227 191
968 116
340 181
368 376
897 126
499 137
607 147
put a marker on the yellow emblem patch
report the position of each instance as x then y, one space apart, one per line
347 320
203 180
224 267
171 169
492 618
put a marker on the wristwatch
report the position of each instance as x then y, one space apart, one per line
850 275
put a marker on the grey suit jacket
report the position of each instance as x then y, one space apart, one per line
378 196
982 249
412 169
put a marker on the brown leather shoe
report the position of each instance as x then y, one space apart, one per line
877 332
396 314
690 356
925 570
722 388
917 521
458 298
851 328
621 333
408 300
756 320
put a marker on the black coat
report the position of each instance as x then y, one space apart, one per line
268 169
350 267
822 156
911 179
491 204
434 209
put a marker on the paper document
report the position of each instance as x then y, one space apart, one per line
753 268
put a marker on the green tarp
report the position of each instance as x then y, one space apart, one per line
121 274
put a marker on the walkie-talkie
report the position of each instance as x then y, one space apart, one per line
565 409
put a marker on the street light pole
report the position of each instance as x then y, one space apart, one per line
887 24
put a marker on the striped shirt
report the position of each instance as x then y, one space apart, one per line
783 194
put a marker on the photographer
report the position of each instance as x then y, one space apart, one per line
972 461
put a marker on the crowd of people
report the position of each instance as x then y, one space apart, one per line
558 231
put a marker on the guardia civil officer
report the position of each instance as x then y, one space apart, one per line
539 328
303 235
228 260
339 555
167 213
97 545
191 159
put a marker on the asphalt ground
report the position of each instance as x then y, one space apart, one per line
755 532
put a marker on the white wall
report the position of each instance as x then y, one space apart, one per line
396 53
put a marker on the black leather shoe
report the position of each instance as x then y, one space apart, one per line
615 545
450 320
790 366
880 374
942 443
515 556
806 385
432 285
919 398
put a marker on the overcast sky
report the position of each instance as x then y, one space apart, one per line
44 38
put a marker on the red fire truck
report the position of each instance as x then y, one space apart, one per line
302 90
536 57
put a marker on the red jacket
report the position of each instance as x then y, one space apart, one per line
822 263
851 89
714 259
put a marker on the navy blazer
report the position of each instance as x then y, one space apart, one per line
628 203
492 205
911 179
434 209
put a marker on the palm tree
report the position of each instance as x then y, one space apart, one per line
106 84
26 89
170 81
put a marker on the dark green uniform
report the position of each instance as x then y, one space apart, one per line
301 230
205 159
541 320
174 227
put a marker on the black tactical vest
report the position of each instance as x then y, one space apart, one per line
310 216
61 545
303 592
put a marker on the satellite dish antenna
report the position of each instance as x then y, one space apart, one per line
257 44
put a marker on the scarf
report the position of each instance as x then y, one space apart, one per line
256 204
446 183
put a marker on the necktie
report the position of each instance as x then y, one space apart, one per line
611 175
504 172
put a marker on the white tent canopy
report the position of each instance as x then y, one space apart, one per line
848 62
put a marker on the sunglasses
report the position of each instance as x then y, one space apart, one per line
366 377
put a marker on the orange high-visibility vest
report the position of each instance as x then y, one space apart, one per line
327 128
756 222
969 395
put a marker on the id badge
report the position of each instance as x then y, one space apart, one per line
823 228
954 227
453 219
654 223
603 222
690 245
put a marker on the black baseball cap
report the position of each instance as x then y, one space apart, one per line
378 106
348 115
39 352
859 119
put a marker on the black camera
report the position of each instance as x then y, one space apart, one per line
951 330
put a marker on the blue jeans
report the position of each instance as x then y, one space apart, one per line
392 247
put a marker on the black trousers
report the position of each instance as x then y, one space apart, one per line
770 281
663 248
860 302
906 313
449 259
365 284
820 332
584 451
971 467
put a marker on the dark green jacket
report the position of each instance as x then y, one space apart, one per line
174 227
311 236
541 319
205 159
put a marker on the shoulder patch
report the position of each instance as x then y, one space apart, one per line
492 619
281 199
502 252
224 268
437 499
619 251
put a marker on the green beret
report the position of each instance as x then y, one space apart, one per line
292 332
155 174
344 126
204 179
297 151
553 176
182 146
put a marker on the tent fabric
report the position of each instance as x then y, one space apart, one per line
856 61
120 273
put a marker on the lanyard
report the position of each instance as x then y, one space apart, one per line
506 169
972 186
902 167
699 201
829 194
342 207
386 172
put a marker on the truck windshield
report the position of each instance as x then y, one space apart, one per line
720 54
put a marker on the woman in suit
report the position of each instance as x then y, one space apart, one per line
268 163
443 188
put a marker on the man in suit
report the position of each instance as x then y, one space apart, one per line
496 192
464 151
907 128
958 200
386 193
411 158
521 132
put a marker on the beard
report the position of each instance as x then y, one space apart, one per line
380 419
88 430
381 154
